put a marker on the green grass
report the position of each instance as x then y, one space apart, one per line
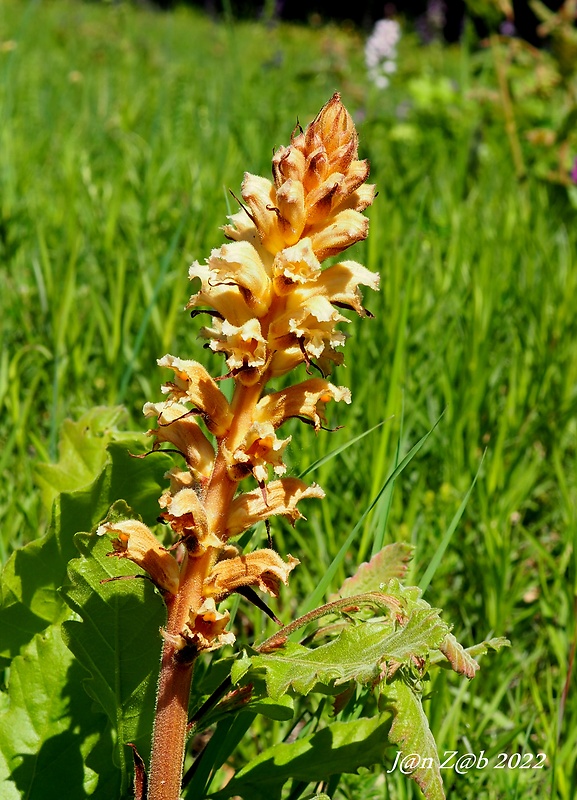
121 132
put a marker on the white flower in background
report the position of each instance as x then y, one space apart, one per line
381 51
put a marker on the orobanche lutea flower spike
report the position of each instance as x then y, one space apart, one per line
272 308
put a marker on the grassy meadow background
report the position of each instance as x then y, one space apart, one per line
121 132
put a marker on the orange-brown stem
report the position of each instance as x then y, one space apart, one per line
169 739
171 716
170 726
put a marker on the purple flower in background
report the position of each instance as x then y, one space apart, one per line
381 51
574 172
430 24
507 28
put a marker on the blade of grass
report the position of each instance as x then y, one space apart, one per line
444 543
169 255
320 461
384 508
317 595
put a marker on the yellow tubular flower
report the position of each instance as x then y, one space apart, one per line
306 399
205 629
258 449
176 426
193 384
239 264
264 569
186 516
135 541
281 499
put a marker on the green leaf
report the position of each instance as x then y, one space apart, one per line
33 575
390 562
117 641
82 453
358 653
490 644
411 733
52 744
281 709
338 748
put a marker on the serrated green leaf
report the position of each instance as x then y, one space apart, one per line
33 575
139 481
82 453
52 744
340 747
117 641
358 653
490 644
411 733
390 562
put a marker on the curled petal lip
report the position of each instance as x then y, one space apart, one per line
244 345
259 448
227 299
338 233
296 264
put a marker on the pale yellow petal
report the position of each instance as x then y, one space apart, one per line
339 284
259 449
227 299
205 629
260 196
290 200
296 264
341 231
240 264
244 345
186 515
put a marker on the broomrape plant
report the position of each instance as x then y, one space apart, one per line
272 308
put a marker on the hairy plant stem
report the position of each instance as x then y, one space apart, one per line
172 700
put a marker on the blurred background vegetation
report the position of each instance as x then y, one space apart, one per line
122 129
